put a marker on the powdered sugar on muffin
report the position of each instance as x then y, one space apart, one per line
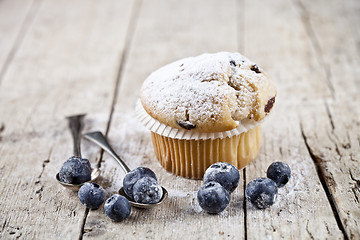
208 93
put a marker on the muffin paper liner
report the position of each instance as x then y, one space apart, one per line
191 158
161 129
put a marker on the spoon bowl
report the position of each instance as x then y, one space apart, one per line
76 125
99 139
95 173
143 205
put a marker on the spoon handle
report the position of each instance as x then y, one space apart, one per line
76 125
99 139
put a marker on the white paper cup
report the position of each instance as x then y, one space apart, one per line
189 153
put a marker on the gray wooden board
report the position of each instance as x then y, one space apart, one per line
332 133
323 222
302 210
15 18
65 66
63 58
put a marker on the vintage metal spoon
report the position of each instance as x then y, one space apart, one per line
99 139
76 126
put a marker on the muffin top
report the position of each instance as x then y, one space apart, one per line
208 93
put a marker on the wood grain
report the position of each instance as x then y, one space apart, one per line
64 66
15 18
332 134
302 210
59 58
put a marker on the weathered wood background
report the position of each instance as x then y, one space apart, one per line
65 57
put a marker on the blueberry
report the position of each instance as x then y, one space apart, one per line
186 124
269 105
75 170
92 195
213 197
117 207
261 192
132 177
224 173
147 190
255 68
279 172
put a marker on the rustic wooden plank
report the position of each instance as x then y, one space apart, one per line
302 210
311 51
335 52
352 9
185 28
333 141
67 64
334 144
15 18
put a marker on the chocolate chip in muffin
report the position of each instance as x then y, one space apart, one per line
269 105
186 124
255 68
232 63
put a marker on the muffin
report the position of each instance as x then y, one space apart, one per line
206 109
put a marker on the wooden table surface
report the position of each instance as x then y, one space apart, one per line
59 58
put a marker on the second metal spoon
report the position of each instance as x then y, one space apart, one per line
99 139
